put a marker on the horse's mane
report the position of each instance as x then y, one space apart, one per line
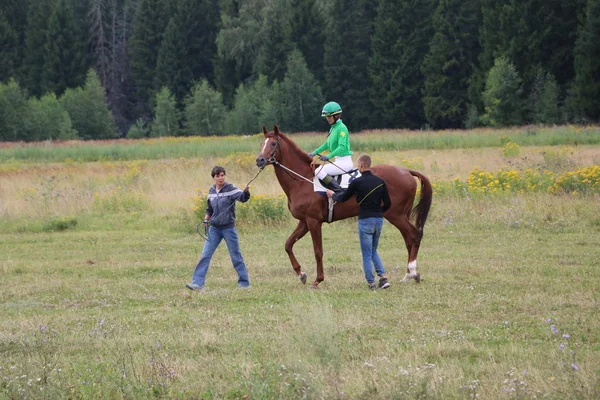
293 147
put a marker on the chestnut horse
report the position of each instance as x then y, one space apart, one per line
294 172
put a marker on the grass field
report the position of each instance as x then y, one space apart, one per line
94 257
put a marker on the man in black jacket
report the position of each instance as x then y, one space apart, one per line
373 200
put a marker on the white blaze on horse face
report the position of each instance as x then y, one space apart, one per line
265 146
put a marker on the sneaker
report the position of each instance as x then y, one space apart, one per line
243 286
383 283
372 286
193 286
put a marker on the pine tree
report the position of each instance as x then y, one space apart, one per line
188 49
14 109
166 115
502 95
38 16
275 40
64 64
308 33
149 25
9 59
450 62
585 101
402 33
347 52
13 21
301 97
204 111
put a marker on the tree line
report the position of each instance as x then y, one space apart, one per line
199 67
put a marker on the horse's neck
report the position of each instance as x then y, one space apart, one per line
291 183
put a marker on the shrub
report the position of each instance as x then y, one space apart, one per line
585 181
59 224
511 149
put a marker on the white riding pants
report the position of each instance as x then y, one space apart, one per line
342 165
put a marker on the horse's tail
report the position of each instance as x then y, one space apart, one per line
421 210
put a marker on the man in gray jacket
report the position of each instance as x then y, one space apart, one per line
220 214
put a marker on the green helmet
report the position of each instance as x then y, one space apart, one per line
331 108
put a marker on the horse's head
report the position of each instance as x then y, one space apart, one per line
270 148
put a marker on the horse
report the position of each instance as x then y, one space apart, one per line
293 166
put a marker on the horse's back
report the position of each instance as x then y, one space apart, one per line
396 177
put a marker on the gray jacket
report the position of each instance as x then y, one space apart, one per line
221 205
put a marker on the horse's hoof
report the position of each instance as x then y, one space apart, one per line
417 278
303 278
314 286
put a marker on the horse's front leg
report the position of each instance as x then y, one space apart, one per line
298 234
315 232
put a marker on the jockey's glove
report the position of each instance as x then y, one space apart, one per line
324 158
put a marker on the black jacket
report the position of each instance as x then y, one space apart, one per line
371 195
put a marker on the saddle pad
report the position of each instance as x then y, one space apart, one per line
343 179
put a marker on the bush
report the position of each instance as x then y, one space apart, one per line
59 224
49 120
204 111
138 130
88 111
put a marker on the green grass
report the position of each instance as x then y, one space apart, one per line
200 147
99 310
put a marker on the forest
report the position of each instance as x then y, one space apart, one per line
99 69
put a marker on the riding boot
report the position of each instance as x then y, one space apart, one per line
332 184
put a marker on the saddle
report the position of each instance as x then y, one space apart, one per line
344 180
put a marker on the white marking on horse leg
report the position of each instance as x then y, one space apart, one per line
412 268
411 273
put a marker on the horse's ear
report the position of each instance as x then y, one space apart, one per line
265 130
276 130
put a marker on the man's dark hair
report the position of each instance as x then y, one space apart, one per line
365 161
217 171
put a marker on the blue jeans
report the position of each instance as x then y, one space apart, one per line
369 230
215 235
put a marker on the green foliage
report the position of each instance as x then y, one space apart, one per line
301 97
585 101
166 115
347 52
502 95
48 120
87 108
59 224
511 149
447 69
64 61
255 105
38 15
9 45
139 130
14 110
544 99
400 41
275 40
205 113
150 21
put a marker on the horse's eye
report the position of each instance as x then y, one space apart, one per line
273 143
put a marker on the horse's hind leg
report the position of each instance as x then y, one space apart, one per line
412 239
299 232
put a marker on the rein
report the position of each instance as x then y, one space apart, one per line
206 225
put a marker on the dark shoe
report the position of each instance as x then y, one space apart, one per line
332 184
383 283
372 286
193 286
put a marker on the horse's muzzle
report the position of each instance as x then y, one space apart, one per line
261 162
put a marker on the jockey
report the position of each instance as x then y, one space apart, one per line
338 144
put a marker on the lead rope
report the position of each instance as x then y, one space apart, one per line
205 236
